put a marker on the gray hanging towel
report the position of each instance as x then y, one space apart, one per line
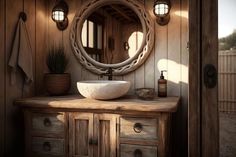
21 55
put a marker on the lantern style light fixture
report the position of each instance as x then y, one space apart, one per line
161 10
59 14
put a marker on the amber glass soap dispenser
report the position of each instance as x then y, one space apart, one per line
162 85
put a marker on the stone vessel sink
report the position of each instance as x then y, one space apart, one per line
102 89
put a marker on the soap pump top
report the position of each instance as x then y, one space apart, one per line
162 76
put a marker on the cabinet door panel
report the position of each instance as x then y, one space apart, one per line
80 133
105 134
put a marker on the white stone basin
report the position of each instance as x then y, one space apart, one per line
102 89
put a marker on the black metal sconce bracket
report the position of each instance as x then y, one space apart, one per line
62 25
163 20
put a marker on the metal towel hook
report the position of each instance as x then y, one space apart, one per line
23 16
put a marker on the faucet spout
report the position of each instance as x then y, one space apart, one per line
109 73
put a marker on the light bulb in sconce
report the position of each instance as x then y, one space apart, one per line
161 9
59 14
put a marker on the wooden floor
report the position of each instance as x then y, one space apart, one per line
227 134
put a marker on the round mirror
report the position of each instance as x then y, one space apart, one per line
113 34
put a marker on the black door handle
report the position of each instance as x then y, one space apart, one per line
210 76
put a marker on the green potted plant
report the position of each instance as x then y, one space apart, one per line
57 82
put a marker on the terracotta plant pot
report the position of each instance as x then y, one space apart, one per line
57 84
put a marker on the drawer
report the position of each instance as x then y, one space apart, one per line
127 150
138 128
48 146
48 123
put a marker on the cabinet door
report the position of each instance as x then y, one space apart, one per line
80 133
105 134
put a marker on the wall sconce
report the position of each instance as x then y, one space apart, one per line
59 14
161 10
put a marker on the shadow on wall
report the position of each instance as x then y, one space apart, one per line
15 144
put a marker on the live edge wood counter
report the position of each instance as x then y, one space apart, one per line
73 126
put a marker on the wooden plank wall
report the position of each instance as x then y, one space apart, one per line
11 119
169 53
12 91
227 81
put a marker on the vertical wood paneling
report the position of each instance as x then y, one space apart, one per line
13 128
74 68
40 45
2 76
173 71
184 53
9 13
139 74
150 62
161 51
87 75
131 77
161 55
29 8
139 81
184 63
12 91
54 34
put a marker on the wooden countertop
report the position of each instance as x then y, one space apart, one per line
127 103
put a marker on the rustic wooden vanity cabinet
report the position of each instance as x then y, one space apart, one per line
73 126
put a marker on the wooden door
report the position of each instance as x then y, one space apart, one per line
80 134
203 124
105 134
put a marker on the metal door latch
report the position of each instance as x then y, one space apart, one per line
210 76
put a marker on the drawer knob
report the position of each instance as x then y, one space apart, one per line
47 146
138 127
47 122
138 153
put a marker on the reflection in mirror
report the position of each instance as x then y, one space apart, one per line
112 34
